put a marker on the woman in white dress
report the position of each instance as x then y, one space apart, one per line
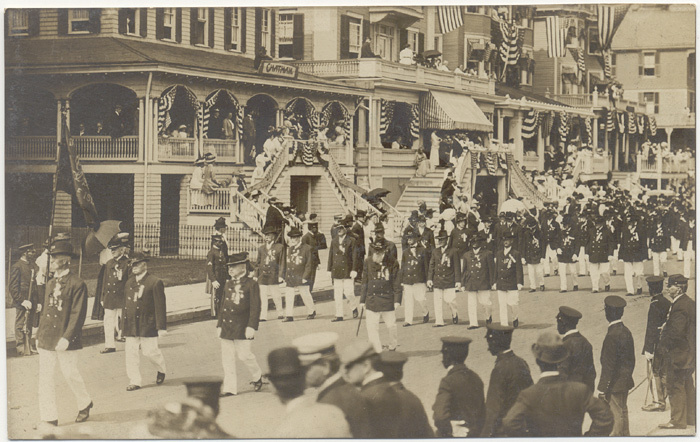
434 150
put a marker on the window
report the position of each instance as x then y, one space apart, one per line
613 64
169 24
385 42
355 36
651 100
18 21
236 29
691 69
78 21
201 34
413 40
132 21
438 43
286 36
526 76
266 40
648 68
691 101
593 41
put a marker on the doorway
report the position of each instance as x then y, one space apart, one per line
300 192
263 109
170 214
486 192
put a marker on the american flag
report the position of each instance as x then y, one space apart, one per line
510 50
208 104
450 18
530 124
164 104
652 126
556 37
415 125
609 19
632 123
611 120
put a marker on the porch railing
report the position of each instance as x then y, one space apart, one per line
247 211
658 164
226 150
218 201
31 148
272 172
107 148
177 149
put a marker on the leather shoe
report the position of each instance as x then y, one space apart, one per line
312 315
257 385
132 387
532 291
337 319
629 294
121 339
542 287
562 291
226 394
455 319
355 313
438 325
472 327
280 317
654 406
84 414
160 378
108 350
575 288
426 318
672 426
516 323
639 291
406 324
288 319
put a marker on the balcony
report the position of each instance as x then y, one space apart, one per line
89 148
199 202
31 148
177 149
373 68
226 150
574 100
595 164
671 165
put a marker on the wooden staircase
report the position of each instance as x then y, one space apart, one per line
521 186
425 188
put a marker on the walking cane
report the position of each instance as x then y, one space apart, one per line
28 315
362 312
646 397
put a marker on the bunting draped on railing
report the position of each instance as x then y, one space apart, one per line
490 161
589 130
303 107
415 123
621 122
631 123
652 126
563 127
308 153
530 124
610 126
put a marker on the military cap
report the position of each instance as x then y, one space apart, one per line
378 245
315 346
356 352
442 234
63 236
455 341
569 312
272 200
615 301
312 224
656 284
237 258
138 257
550 348
25 247
480 237
220 223
294 232
508 236
338 217
677 279
361 213
393 358
495 329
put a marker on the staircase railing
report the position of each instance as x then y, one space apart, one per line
247 211
522 186
578 168
272 172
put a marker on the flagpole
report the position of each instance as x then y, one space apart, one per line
54 193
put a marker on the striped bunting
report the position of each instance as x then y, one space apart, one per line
383 121
631 123
556 37
563 127
530 124
641 120
450 18
589 130
581 66
208 103
510 50
652 126
308 152
607 62
239 121
610 127
415 123
165 103
491 162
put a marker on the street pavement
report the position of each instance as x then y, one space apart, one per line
191 350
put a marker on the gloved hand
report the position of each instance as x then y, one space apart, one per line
522 260
649 356
38 308
493 287
249 333
458 429
62 344
429 284
353 274
216 285
520 286
162 333
27 304
396 305
458 286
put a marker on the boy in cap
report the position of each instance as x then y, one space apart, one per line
658 312
478 276
267 272
444 277
217 274
381 292
23 299
617 365
554 406
579 366
460 398
344 263
415 263
509 280
510 375
297 275
237 324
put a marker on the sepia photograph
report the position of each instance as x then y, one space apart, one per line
322 221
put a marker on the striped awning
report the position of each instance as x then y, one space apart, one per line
446 111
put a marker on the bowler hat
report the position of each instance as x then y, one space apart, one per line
284 363
220 223
62 248
550 348
268 229
237 258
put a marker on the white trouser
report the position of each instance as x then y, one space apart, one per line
535 274
634 275
484 297
450 297
149 348
273 291
659 261
412 293
110 324
550 256
508 298
612 260
343 287
373 328
563 266
675 245
230 350
68 361
599 270
688 256
305 293
582 261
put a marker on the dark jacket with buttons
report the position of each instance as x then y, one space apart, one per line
617 360
343 258
659 233
381 287
310 240
299 265
145 309
569 245
459 240
63 313
216 265
269 264
426 239
445 269
414 421
509 377
633 242
677 340
600 244
110 288
579 366
478 270
414 268
509 270
532 247
20 277
240 308
658 312
460 397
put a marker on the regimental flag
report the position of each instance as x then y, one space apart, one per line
611 120
450 18
556 37
165 103
632 123
609 19
530 124
70 177
510 50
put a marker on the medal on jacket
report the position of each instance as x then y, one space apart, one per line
445 260
139 292
509 261
633 231
599 234
237 295
55 299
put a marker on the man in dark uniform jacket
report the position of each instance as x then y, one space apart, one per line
310 238
415 263
60 335
460 236
599 246
659 239
509 280
220 227
567 247
216 125
507 227
21 274
633 251
358 232
445 278
579 365
617 365
390 246
414 422
478 276
509 377
532 250
426 237
677 343
554 406
460 398
550 237
297 274
337 221
658 312
274 219
344 263
145 320
109 295
216 270
317 352
237 324
268 269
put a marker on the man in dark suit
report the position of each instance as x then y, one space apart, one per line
677 343
379 236
415 262
509 377
310 238
478 276
509 280
274 219
237 324
317 352
216 125
459 403
555 407
414 422
117 123
268 272
617 365
578 366
567 246
344 263
144 320
600 245
460 236
358 232
658 312
426 237
216 270
21 274
445 278
60 335
297 274
633 251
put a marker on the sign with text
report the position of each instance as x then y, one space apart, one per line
278 69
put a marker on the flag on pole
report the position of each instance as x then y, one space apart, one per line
510 50
609 19
556 37
450 18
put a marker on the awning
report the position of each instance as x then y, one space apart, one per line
446 111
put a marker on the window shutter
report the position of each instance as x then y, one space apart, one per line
298 37
94 24
244 25
63 21
258 30
273 25
365 30
178 25
227 28
656 102
160 23
344 37
210 24
143 31
641 64
657 64
33 22
193 25
421 43
121 21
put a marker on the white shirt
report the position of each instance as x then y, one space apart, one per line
373 377
615 322
547 374
61 274
406 56
41 263
570 332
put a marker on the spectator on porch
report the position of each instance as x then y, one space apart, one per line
215 125
272 146
81 130
366 50
434 150
229 127
116 124
210 183
197 175
339 139
260 57
406 55
443 66
259 171
99 129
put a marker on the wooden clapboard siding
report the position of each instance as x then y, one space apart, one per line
324 203
48 22
152 198
109 21
151 21
64 204
218 28
185 26
184 189
453 48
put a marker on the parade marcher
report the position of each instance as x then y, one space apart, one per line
445 278
358 232
60 335
274 219
460 236
567 248
633 251
478 276
617 365
507 228
460 399
415 264
599 247
550 237
109 295
268 270
554 406
659 241
337 221
426 237
579 365
532 250
24 296
237 323
414 422
582 229
311 239
687 241
220 227
361 367
508 378
509 280
297 275
381 293
40 279
216 269
343 263
390 246
678 345
144 320
304 417
658 312
317 353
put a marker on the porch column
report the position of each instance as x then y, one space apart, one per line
540 150
500 126
350 142
362 127
595 133
669 131
59 127
279 118
154 135
142 131
515 132
199 142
